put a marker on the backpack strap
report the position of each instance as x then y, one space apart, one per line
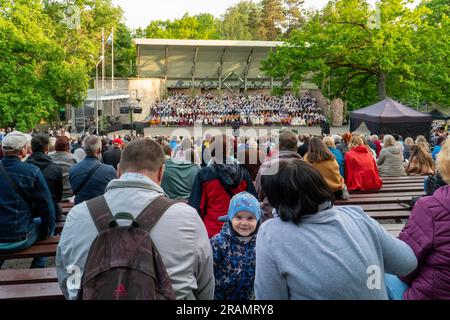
100 213
154 211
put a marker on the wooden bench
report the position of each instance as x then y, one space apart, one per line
45 248
31 291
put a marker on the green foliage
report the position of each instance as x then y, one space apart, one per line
202 27
402 54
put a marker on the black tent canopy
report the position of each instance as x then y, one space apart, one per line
391 117
437 115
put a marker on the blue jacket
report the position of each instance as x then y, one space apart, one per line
234 265
96 185
18 211
340 160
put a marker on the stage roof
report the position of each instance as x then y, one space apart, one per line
201 59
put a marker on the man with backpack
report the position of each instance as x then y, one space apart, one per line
120 259
90 177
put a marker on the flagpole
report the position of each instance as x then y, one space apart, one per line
112 69
103 62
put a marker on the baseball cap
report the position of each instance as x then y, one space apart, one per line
117 141
15 140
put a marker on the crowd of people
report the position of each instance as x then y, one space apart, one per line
255 217
254 110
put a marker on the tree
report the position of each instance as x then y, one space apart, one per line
272 17
32 66
236 22
203 26
293 15
362 56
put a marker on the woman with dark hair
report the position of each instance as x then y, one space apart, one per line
63 158
314 250
324 161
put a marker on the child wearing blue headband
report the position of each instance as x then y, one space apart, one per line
234 249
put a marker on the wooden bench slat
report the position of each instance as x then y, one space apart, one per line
388 194
33 291
373 200
46 250
389 214
23 276
384 207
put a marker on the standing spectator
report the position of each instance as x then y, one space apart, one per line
287 150
179 175
77 145
361 171
63 158
329 142
390 162
112 156
52 173
316 251
179 235
324 161
234 250
27 213
217 183
427 233
90 177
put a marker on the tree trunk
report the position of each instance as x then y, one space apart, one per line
382 94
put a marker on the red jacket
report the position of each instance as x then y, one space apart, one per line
361 170
209 196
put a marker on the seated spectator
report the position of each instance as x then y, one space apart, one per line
390 162
52 173
440 140
324 161
343 146
409 142
361 171
303 149
329 142
316 251
287 145
420 140
217 183
420 162
179 235
427 233
179 176
63 158
234 249
90 177
366 143
26 206
377 143
112 156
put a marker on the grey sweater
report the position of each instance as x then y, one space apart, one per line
390 162
331 255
